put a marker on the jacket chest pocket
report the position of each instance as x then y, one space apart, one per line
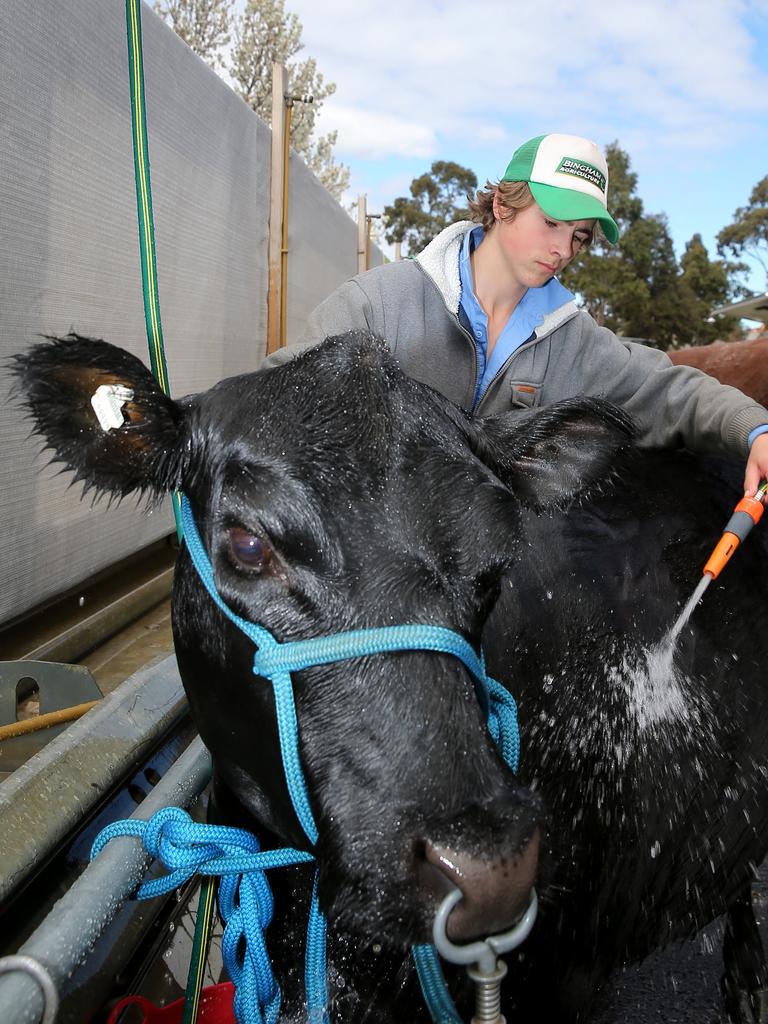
524 394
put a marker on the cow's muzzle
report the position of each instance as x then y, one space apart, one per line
494 894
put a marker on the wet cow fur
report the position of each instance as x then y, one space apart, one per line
334 493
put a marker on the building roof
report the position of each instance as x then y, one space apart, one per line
753 308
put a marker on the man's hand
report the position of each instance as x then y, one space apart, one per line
757 466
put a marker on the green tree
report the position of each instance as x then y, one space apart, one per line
266 33
202 24
626 206
608 285
748 234
263 33
637 288
709 284
648 250
438 198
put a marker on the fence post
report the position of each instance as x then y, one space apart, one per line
274 286
369 218
361 233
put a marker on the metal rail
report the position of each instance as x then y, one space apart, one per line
88 615
104 623
45 799
74 924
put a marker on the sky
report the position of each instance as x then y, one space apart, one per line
682 85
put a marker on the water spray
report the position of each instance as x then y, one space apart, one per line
746 515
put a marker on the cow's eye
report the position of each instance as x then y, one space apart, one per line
248 551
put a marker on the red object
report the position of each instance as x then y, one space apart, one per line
215 1007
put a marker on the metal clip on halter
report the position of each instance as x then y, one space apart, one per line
480 958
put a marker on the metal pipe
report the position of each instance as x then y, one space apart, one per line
69 931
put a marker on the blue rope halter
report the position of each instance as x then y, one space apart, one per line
245 898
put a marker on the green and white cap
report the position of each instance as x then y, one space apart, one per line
568 177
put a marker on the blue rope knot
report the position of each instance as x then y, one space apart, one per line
173 838
245 898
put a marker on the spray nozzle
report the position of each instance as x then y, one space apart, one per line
746 515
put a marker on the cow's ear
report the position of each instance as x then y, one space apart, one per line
552 455
122 438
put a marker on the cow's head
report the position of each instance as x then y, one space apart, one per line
334 493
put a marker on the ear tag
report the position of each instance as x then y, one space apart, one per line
108 402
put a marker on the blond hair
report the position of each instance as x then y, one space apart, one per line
513 196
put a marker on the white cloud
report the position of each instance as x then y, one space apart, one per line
373 134
437 66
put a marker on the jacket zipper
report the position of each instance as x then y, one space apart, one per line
533 340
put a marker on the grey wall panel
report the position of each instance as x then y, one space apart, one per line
70 261
322 246
210 182
69 251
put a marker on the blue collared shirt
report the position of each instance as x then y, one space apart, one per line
520 327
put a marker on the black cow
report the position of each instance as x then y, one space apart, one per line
334 493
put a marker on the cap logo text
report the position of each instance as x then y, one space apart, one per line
581 169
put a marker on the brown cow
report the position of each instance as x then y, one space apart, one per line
743 364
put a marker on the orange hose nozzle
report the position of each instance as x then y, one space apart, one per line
746 514
721 555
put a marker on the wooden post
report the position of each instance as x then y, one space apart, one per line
369 218
274 286
361 234
284 232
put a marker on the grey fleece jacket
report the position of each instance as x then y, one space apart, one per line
414 306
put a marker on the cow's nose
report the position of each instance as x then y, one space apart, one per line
495 891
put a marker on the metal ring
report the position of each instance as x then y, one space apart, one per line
484 951
20 962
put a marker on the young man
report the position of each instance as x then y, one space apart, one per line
480 315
